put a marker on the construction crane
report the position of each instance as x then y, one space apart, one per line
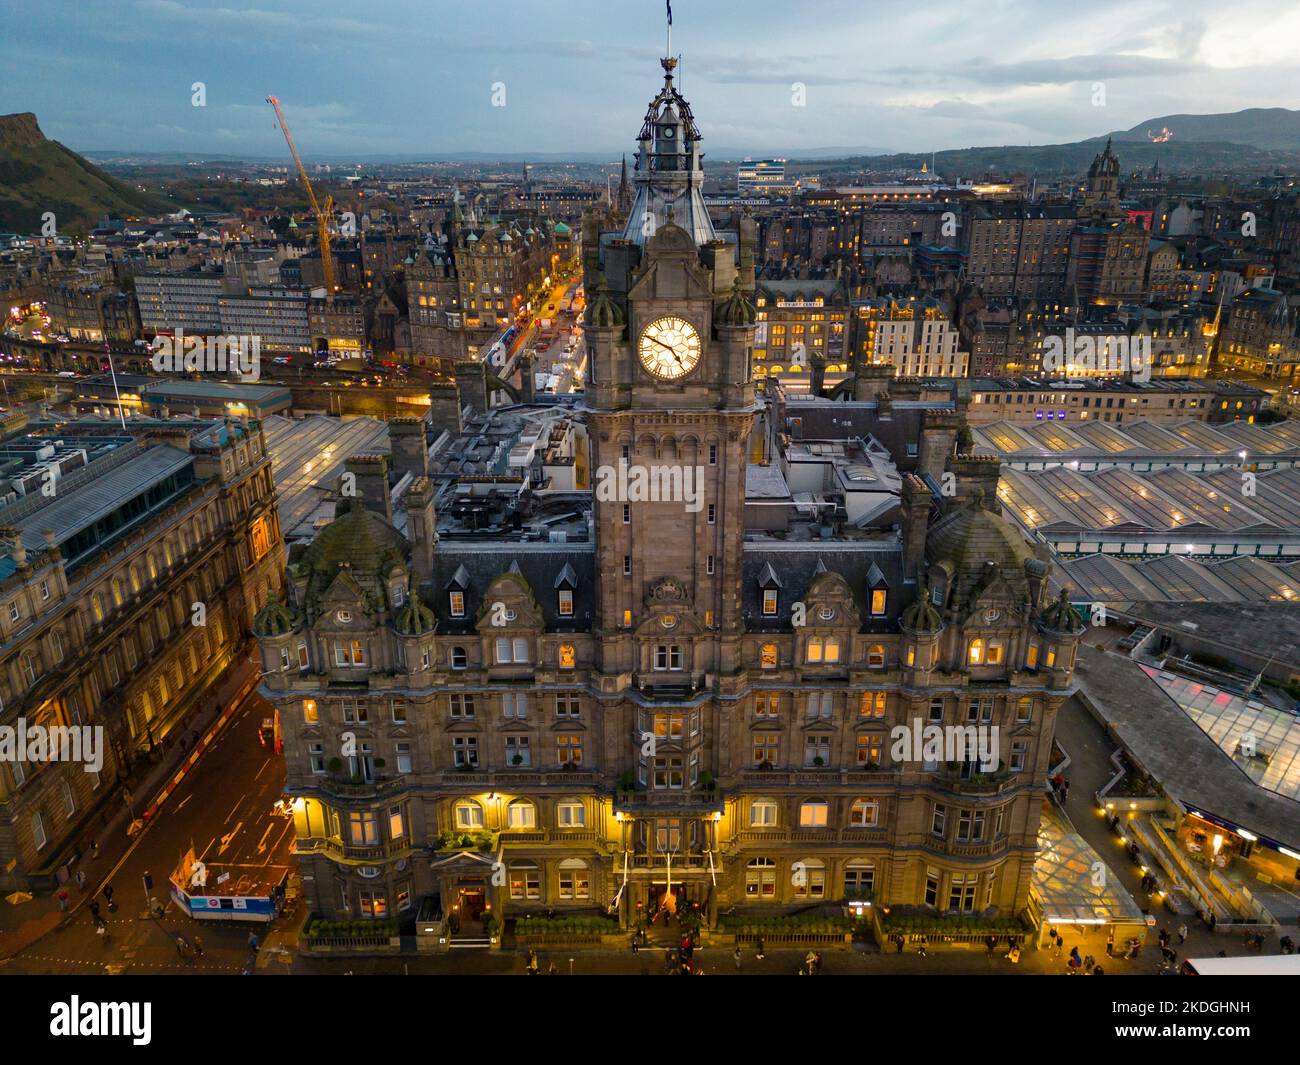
324 212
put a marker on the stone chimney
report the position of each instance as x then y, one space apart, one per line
444 407
406 441
471 386
916 519
370 473
421 529
527 380
871 379
938 437
977 474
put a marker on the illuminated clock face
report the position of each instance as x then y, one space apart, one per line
669 347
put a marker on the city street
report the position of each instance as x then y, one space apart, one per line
223 807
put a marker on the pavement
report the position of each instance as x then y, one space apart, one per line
223 808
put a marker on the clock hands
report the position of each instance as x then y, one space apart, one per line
671 350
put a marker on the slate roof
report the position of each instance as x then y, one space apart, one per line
541 565
796 564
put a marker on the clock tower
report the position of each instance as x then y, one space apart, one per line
670 329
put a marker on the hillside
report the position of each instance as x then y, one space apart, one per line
1268 128
39 175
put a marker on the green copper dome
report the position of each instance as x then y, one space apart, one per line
360 538
1061 616
603 312
414 618
922 615
274 619
736 309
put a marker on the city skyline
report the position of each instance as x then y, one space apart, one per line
1014 74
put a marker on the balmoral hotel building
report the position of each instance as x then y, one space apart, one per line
110 539
578 700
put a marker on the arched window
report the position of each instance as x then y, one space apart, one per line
814 813
876 656
975 652
768 656
575 879
760 879
864 813
459 659
521 815
762 813
469 815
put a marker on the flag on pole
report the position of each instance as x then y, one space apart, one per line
670 11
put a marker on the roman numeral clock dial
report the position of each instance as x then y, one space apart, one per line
669 348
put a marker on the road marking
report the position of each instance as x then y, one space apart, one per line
225 840
261 843
181 805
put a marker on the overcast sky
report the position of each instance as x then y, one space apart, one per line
417 76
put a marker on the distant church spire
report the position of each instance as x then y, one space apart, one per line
624 202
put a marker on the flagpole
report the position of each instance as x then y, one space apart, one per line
669 50
108 347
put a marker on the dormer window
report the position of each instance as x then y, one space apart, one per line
564 602
343 616
879 591
769 602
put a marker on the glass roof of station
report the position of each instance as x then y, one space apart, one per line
1236 725
1064 884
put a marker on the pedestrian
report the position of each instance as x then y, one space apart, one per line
81 880
252 942
636 944
1065 790
552 970
63 898
94 848
761 952
736 955
1164 938
1182 934
198 946
1013 955
1089 963
900 942
94 909
925 942
1060 946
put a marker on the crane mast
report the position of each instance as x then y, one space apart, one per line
324 212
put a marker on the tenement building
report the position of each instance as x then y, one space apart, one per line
518 697
133 567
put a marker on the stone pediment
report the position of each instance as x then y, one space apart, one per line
509 604
675 278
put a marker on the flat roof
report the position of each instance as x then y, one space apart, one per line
218 390
1164 740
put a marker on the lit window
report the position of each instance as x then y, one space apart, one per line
769 602
878 597
568 656
768 656
814 814
309 711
